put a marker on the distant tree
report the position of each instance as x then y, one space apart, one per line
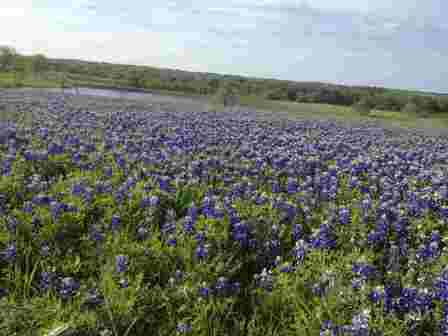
136 79
443 104
8 57
363 106
39 64
20 68
277 94
430 105
410 108
63 81
214 84
292 93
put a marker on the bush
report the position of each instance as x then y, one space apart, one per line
363 107
410 108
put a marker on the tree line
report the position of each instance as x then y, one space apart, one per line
72 72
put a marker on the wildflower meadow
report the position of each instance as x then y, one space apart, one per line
139 222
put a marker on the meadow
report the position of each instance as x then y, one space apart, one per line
139 221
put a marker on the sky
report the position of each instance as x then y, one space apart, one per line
396 44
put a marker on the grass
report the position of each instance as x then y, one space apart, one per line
289 109
51 81
7 81
347 113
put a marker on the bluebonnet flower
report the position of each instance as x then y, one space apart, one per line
78 189
124 283
444 322
164 183
169 228
300 250
325 283
265 280
364 270
436 237
428 251
292 186
45 250
286 268
11 224
145 202
202 251
115 223
76 157
55 149
401 226
179 275
142 232
276 188
120 161
393 259
217 213
9 254
360 324
424 300
46 280
441 286
297 232
3 292
68 287
376 295
108 171
379 235
28 207
35 222
56 209
184 328
358 283
172 241
103 187
224 287
93 298
200 237
44 132
324 238
154 201
328 329
204 291
345 216
96 235
42 199
188 224
121 263
241 233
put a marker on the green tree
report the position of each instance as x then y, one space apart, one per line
8 57
363 106
136 79
410 108
39 64
20 69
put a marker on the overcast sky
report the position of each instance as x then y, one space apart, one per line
399 44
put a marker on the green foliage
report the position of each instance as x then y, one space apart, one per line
106 75
8 57
363 106
410 108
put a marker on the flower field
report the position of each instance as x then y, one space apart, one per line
159 223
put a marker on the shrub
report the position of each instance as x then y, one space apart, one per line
410 108
363 107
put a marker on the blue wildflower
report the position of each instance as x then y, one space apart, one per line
68 287
121 263
184 328
202 251
9 254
